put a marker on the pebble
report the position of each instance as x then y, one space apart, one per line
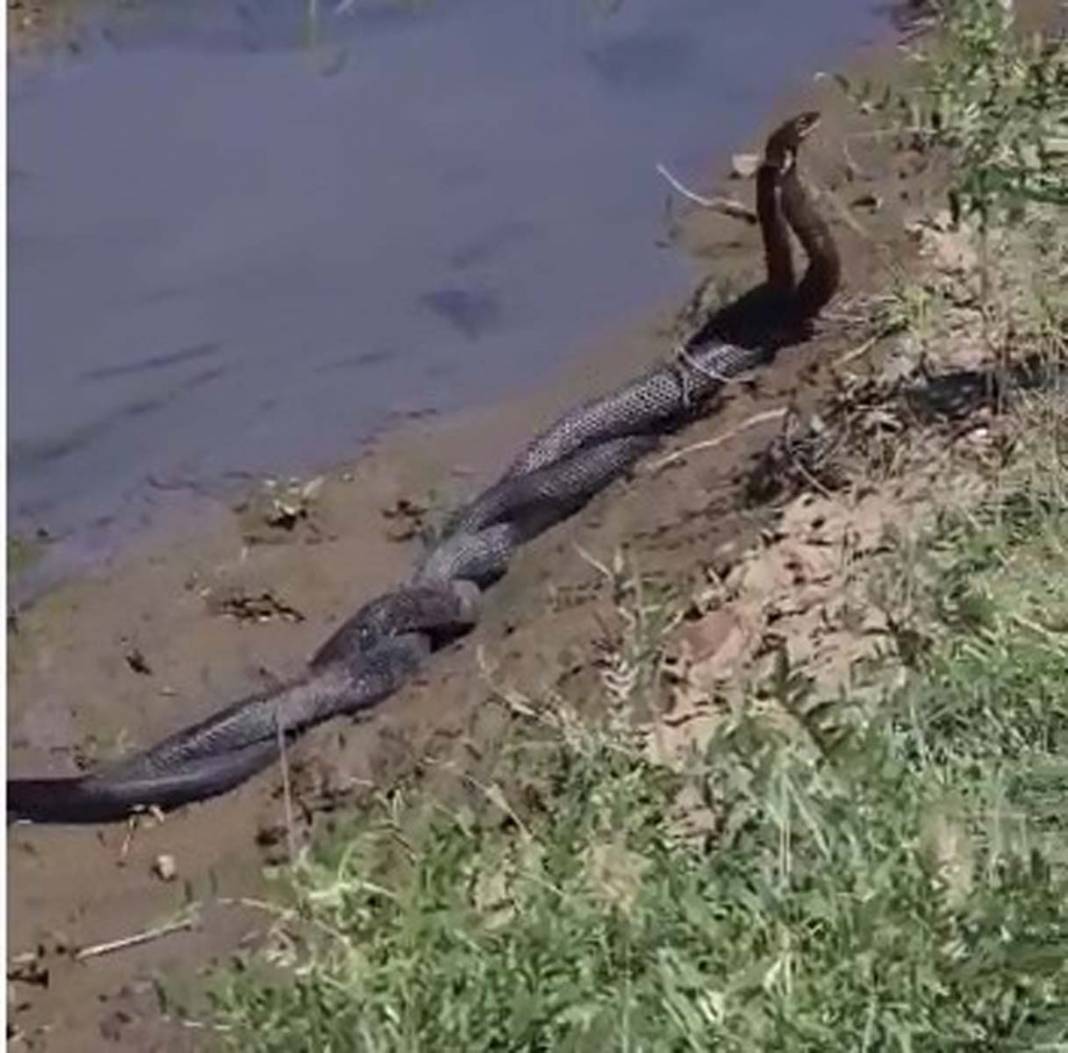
743 166
165 868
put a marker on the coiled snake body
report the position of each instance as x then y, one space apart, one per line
377 649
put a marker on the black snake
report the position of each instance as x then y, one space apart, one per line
377 649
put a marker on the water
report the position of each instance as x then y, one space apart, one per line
245 236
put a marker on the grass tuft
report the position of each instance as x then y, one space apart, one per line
899 884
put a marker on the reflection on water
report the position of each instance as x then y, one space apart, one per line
241 234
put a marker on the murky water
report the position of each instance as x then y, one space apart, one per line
244 236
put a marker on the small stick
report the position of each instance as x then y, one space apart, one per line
124 850
199 1025
147 936
594 562
853 166
707 444
495 795
810 478
862 349
726 205
134 823
250 903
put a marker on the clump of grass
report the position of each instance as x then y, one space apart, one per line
999 103
994 100
898 885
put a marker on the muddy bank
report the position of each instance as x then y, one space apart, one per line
168 633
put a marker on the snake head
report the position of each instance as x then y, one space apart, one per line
783 143
804 123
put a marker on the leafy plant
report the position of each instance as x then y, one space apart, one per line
995 100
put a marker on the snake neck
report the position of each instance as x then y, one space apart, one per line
778 257
823 275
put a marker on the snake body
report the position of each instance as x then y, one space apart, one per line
376 650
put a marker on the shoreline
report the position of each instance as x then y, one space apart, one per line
40 564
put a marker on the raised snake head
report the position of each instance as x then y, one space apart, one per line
780 152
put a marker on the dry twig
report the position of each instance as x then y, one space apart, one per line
707 444
125 942
857 352
727 206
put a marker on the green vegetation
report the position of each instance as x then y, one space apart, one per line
885 870
1001 110
998 102
882 877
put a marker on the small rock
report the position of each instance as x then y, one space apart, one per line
402 532
165 867
137 662
942 220
28 968
405 508
406 518
870 202
310 490
270 834
285 515
743 166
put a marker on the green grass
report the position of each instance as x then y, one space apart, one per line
891 878
995 100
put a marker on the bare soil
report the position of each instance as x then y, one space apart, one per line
172 631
